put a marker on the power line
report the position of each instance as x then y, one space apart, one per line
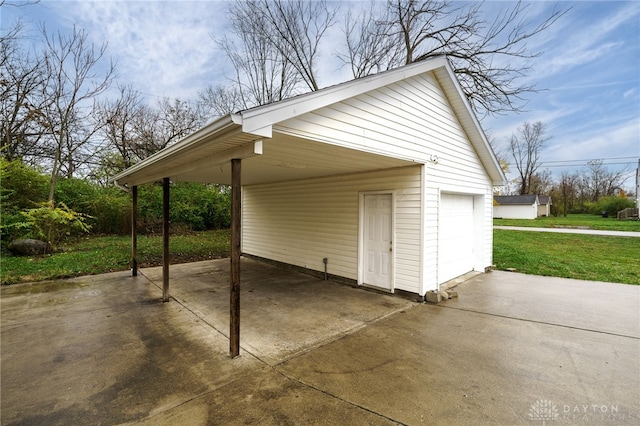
590 159
584 164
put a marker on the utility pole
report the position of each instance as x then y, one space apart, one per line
638 185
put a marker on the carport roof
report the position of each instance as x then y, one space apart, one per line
270 156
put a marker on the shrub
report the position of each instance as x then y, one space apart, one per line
201 206
194 206
21 187
53 224
77 194
108 209
105 210
612 205
150 208
111 211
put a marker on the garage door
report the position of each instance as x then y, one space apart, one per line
455 236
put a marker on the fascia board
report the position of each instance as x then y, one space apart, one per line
241 152
498 178
220 126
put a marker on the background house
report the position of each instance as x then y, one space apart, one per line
544 205
385 181
515 206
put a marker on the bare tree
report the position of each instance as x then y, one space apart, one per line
21 3
600 182
157 128
525 147
541 183
565 192
73 84
369 49
276 46
575 192
220 100
263 73
134 130
21 109
295 28
118 117
488 57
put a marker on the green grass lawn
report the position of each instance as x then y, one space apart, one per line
585 221
586 257
97 255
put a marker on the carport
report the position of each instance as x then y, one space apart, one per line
232 151
353 176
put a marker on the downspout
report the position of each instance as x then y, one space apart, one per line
325 261
121 187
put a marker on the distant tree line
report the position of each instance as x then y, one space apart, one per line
86 206
591 189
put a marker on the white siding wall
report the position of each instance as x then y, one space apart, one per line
411 119
515 212
302 222
544 210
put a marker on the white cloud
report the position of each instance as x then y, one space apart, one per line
633 92
582 39
162 48
617 140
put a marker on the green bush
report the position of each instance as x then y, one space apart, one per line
21 187
106 210
201 207
109 208
111 211
612 205
150 208
13 226
194 206
53 224
77 194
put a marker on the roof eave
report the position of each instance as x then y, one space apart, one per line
259 119
216 127
496 174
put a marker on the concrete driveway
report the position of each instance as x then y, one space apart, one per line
512 349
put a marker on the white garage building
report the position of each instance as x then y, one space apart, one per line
388 179
516 206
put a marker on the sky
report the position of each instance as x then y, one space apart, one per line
588 73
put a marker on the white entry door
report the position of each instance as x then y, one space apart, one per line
377 241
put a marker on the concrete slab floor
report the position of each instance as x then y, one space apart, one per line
590 305
105 350
283 312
